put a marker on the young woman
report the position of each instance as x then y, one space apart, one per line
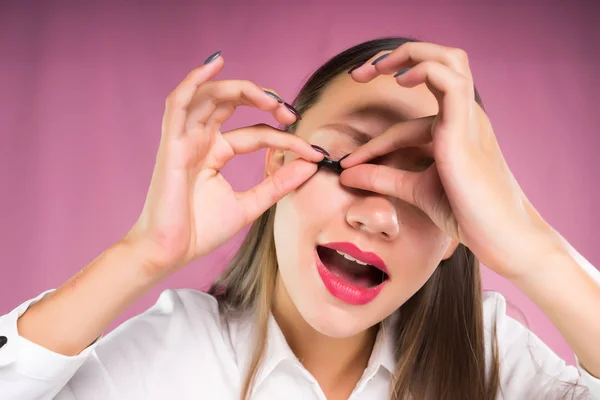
357 280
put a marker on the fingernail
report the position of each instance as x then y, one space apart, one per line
212 57
340 160
320 149
273 95
401 72
356 67
380 58
293 110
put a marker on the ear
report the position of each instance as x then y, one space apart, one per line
452 245
274 159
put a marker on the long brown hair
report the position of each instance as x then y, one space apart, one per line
439 334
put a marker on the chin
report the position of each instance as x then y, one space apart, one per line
329 319
325 310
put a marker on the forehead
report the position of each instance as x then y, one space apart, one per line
372 106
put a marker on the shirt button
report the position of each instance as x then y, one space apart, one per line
3 341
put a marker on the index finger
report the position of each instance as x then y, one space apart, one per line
180 98
216 101
252 138
411 133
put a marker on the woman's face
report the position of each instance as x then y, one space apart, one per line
336 296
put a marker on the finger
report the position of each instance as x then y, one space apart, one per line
179 99
423 190
286 179
220 114
383 180
411 54
237 93
411 133
282 112
252 138
224 110
273 93
454 92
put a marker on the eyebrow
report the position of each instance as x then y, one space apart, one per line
358 136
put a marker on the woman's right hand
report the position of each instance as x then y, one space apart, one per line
190 208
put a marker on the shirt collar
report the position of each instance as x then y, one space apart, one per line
277 349
243 338
383 354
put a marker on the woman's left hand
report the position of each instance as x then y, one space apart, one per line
469 191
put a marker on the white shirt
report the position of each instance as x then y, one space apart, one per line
181 349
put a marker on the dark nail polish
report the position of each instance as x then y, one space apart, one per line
340 160
273 95
356 67
380 58
320 149
405 70
212 57
293 110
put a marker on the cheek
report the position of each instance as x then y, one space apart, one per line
317 199
302 214
419 251
319 195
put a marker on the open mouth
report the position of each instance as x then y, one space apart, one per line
351 270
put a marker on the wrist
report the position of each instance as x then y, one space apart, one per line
532 254
148 267
544 256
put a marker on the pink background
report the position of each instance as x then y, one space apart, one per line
83 87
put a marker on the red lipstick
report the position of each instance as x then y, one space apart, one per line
352 250
341 288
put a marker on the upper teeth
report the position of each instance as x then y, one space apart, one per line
349 257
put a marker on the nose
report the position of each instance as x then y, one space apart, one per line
375 215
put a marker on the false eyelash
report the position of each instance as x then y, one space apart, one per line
331 165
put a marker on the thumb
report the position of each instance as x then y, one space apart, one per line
420 189
385 180
284 180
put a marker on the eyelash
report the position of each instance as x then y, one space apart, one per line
334 157
330 164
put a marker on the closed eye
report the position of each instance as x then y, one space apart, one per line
338 151
358 137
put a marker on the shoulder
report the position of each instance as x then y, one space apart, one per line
494 308
185 303
181 312
509 333
180 339
493 302
178 315
529 368
181 326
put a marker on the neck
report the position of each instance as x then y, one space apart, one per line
328 359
